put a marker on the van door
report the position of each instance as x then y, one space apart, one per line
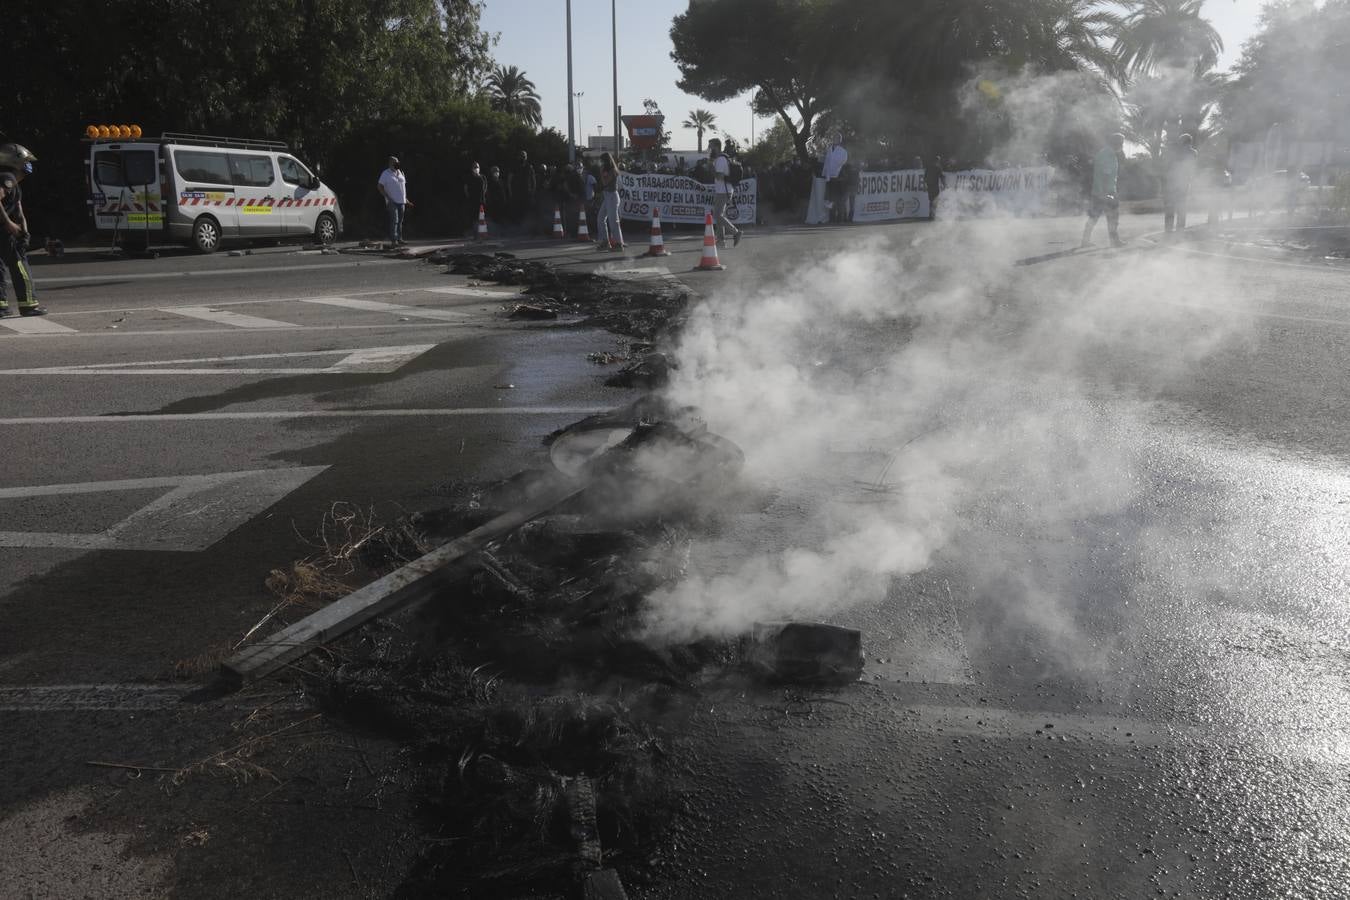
256 188
299 208
124 187
206 187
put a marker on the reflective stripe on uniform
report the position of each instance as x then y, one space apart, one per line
26 295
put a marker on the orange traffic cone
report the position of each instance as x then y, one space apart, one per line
658 245
482 223
583 233
709 260
557 224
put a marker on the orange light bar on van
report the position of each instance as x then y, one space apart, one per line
93 132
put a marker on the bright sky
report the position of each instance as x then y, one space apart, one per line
1235 20
533 36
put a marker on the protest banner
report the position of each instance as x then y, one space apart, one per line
682 199
903 194
1019 191
890 195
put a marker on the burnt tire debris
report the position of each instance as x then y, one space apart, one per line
647 309
523 688
540 723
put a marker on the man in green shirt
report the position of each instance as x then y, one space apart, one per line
1105 181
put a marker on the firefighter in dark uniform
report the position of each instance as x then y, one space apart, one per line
16 162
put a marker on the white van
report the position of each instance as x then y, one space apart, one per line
203 191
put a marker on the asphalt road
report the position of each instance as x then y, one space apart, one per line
1088 510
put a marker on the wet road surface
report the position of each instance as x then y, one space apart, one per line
1110 662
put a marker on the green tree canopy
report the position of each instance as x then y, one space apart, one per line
1294 72
895 72
329 77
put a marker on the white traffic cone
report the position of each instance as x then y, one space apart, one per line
709 260
658 244
557 224
482 224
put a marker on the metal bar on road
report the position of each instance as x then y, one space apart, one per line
416 581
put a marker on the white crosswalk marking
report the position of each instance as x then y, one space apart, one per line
366 359
35 325
412 312
193 514
236 320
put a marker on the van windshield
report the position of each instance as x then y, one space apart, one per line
125 168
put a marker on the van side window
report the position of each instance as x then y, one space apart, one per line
202 167
251 171
292 172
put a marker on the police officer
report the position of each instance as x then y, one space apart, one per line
16 162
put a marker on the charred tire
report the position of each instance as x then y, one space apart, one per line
206 235
325 229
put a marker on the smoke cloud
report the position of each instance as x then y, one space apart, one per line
918 397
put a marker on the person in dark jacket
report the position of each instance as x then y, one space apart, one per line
522 186
1179 161
498 199
475 195
546 198
935 180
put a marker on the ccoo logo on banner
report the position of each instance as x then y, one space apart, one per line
682 199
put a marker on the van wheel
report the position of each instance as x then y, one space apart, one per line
206 235
325 229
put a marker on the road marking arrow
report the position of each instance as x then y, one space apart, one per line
196 512
370 360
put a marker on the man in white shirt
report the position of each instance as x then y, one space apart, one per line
393 185
835 158
723 191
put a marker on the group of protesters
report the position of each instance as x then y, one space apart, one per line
784 188
523 197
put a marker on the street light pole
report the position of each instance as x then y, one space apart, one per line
614 32
571 123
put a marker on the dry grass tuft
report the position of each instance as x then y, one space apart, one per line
206 662
237 761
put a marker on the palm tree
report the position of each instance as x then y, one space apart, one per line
509 91
700 120
1166 34
1081 30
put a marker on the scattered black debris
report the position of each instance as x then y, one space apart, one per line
605 358
649 373
806 653
647 309
523 688
530 311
